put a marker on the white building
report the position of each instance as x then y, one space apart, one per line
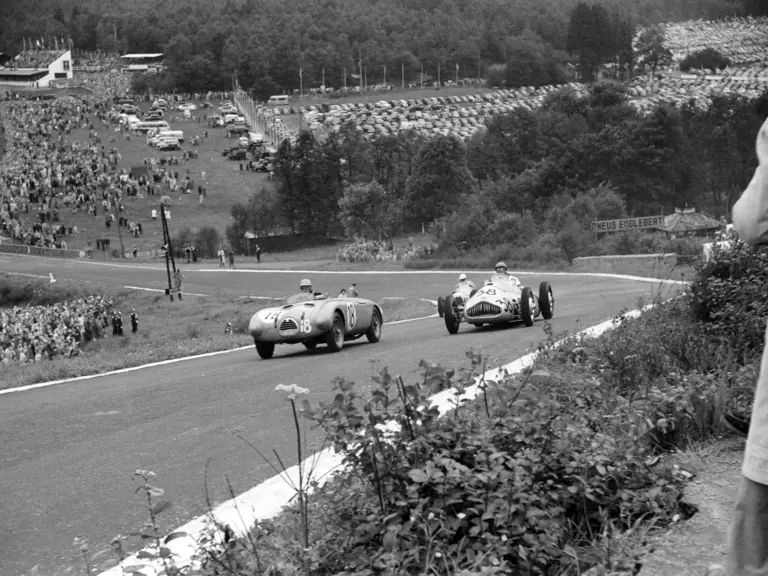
37 69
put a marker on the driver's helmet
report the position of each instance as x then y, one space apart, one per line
306 285
462 277
501 268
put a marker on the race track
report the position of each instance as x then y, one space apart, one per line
68 451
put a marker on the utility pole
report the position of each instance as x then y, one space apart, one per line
344 80
323 78
402 74
457 73
170 262
301 82
438 74
384 82
360 62
422 76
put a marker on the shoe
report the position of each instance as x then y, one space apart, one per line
736 422
715 570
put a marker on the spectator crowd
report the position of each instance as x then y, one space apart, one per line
39 333
379 251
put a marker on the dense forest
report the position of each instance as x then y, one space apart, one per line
268 42
533 181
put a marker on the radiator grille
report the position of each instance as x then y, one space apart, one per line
289 324
484 309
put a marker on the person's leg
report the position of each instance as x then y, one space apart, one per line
748 546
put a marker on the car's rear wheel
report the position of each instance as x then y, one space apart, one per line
527 306
546 300
310 345
374 330
265 349
451 321
335 338
440 306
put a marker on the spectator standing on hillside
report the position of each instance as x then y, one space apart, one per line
748 549
231 259
258 253
134 321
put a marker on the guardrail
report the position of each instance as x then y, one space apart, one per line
41 251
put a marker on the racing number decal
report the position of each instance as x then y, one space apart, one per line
489 291
271 315
507 304
305 326
351 315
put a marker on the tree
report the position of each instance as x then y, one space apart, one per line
592 38
532 63
440 179
367 211
651 52
707 59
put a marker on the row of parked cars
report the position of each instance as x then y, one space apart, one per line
461 115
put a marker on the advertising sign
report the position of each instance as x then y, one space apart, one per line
624 224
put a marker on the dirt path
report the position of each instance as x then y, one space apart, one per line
688 548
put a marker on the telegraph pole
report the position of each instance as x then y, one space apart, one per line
402 74
169 260
360 62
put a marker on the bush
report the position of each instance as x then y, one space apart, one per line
524 480
707 59
729 296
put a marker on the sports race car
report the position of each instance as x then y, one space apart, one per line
331 321
502 300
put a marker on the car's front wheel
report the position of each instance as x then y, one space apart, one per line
374 330
265 349
335 338
527 306
451 321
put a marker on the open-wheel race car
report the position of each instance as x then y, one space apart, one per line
332 321
502 300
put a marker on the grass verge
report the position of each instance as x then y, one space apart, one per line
167 330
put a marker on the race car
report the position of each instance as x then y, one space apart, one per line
330 321
462 292
502 300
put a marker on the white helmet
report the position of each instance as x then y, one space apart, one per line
462 277
500 265
305 283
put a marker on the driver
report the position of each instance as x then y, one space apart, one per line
305 294
464 283
501 271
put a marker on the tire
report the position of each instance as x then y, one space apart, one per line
374 330
546 300
451 322
527 306
265 349
440 306
310 345
335 338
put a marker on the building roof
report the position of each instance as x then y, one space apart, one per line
688 220
141 56
22 72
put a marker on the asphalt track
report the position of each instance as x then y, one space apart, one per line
67 452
